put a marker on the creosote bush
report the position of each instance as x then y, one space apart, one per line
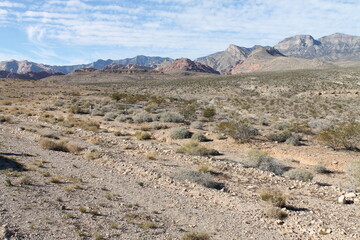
299 174
209 112
180 133
238 130
344 135
262 161
171 117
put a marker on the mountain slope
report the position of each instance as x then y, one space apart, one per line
223 61
267 60
335 47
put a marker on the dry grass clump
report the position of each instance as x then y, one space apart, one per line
196 236
275 197
92 155
54 145
203 179
142 136
194 149
171 117
275 212
262 161
61 146
299 174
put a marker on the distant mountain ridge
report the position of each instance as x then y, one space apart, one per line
22 67
185 64
337 47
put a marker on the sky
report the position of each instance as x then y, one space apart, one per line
66 32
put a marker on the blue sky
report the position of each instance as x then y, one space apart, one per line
68 32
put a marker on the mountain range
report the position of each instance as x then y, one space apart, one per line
297 52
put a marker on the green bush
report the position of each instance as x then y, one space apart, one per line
188 109
238 130
299 174
180 133
209 112
262 161
171 117
344 135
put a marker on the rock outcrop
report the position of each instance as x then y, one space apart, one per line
185 64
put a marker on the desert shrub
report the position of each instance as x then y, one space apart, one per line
90 126
203 179
319 125
180 133
53 145
49 134
98 112
124 118
110 116
196 236
196 125
238 130
74 148
78 110
118 96
209 112
299 174
142 135
194 149
321 169
293 140
158 126
171 117
345 135
92 155
199 137
273 196
143 117
203 167
188 109
262 161
281 136
354 173
300 127
275 212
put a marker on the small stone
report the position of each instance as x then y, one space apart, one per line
350 195
342 199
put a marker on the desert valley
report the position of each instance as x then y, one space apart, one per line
246 143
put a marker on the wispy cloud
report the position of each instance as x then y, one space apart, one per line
180 27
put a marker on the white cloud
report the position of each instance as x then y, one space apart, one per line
194 27
11 4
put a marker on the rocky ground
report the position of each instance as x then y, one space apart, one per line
118 187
